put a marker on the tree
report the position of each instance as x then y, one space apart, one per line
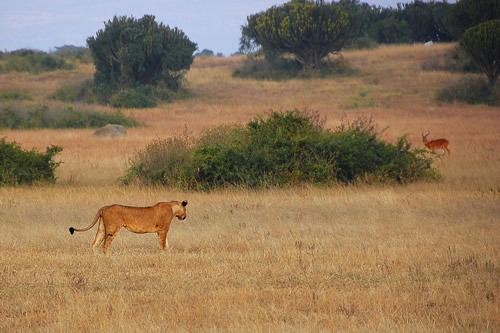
390 29
468 13
131 52
308 30
419 17
418 21
482 43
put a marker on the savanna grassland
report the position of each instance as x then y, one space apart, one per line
420 257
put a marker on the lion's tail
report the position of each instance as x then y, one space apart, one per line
96 218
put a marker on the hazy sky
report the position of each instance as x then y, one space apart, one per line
45 24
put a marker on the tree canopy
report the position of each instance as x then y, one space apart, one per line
130 52
308 30
482 43
468 13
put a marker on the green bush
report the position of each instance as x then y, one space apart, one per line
284 69
42 116
32 61
163 162
471 91
75 53
18 167
146 96
140 97
14 95
404 165
283 149
363 42
76 91
456 60
279 69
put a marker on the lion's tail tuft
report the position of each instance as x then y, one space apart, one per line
71 230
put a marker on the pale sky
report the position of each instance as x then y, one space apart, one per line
212 24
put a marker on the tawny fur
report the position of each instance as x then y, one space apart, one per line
141 220
436 144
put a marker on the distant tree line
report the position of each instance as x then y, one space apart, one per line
139 61
418 21
300 34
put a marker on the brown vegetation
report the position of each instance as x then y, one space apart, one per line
423 257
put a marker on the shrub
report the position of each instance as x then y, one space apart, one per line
32 61
19 167
162 162
133 98
284 69
42 116
75 53
405 165
283 149
77 91
14 95
279 69
364 42
471 91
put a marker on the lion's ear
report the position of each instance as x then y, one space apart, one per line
184 203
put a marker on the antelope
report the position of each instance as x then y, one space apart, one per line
435 144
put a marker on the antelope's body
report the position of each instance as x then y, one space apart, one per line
435 144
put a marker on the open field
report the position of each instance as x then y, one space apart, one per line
423 257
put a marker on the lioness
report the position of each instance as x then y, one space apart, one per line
140 220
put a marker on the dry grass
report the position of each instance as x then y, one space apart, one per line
423 257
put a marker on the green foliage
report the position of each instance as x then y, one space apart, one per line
308 30
482 43
471 91
391 30
32 61
418 21
80 54
75 91
42 116
205 53
284 149
423 19
133 98
284 69
276 69
162 162
18 166
455 60
468 13
133 52
363 42
14 95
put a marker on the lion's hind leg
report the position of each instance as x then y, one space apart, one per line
109 234
99 237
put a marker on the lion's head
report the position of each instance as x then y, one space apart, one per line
180 211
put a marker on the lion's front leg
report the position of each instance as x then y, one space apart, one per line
162 237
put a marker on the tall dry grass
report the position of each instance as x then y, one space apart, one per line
423 257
